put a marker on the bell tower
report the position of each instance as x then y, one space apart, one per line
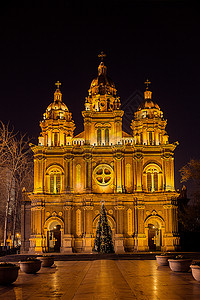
149 124
57 124
152 140
57 133
102 114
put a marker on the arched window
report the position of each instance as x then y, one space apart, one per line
107 136
149 183
78 175
98 136
141 138
55 181
55 139
155 179
150 138
128 175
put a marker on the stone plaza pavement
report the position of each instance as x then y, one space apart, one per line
103 279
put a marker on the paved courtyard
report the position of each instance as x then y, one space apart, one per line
103 279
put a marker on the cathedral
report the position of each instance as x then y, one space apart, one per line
132 174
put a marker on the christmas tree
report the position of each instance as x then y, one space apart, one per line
103 242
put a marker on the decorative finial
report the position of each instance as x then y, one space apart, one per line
147 82
102 55
58 84
147 93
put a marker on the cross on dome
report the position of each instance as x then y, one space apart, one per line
58 84
102 55
147 82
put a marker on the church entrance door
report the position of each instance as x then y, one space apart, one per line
54 239
154 237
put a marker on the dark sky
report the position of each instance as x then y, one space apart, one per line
159 40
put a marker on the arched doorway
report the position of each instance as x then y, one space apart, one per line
154 227
53 228
154 237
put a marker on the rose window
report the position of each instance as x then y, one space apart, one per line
103 174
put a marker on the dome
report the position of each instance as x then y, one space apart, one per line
57 105
102 84
102 80
57 109
148 103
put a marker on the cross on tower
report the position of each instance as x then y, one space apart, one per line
147 82
58 84
102 55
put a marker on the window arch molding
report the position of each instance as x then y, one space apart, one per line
102 125
54 166
153 164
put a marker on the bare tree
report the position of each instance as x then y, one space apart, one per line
6 137
15 171
23 178
189 214
191 171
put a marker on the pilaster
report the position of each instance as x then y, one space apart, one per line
119 236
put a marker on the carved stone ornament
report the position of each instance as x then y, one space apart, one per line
119 207
68 207
118 156
138 156
103 175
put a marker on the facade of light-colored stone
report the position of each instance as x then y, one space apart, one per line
132 174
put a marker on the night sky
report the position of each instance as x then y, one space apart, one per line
158 40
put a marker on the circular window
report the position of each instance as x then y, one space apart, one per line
103 174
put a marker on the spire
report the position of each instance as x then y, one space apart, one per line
147 93
102 68
58 94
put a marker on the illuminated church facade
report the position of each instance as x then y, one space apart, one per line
133 174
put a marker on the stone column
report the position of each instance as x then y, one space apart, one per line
138 159
37 236
140 237
39 174
67 236
171 237
119 236
69 173
88 209
168 162
118 171
87 127
88 172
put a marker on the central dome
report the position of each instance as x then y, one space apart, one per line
102 93
102 84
